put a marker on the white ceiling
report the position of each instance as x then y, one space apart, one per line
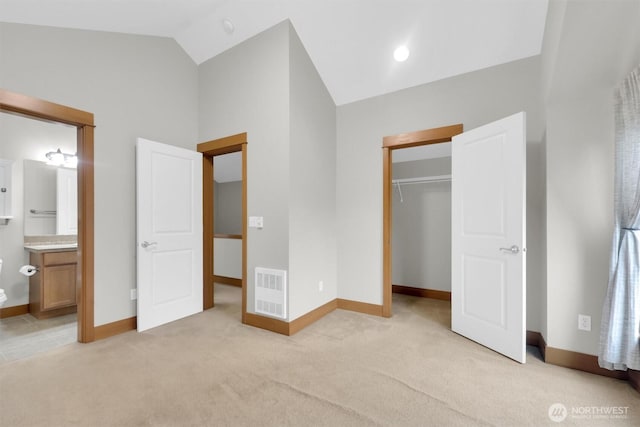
351 42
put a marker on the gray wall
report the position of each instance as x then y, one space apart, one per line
268 87
312 208
246 89
421 238
228 207
136 86
581 67
472 99
127 82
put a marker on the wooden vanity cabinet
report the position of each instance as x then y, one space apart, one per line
52 290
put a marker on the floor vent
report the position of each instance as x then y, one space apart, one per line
271 292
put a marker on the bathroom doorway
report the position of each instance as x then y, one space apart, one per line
43 193
225 227
83 122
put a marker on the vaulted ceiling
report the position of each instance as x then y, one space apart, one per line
351 42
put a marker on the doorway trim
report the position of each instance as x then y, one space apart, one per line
39 109
390 143
209 149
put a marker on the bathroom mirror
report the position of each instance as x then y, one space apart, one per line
50 199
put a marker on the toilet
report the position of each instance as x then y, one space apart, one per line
3 297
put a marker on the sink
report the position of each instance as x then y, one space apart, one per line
52 247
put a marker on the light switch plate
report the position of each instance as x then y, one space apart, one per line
256 221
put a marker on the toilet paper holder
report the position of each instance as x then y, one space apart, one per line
29 270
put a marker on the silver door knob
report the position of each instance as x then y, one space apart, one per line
512 250
146 244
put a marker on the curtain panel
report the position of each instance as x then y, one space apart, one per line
620 329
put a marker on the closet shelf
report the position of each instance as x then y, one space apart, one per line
422 179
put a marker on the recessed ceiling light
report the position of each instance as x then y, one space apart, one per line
228 26
401 53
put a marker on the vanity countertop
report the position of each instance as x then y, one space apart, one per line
53 247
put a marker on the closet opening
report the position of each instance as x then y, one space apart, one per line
417 214
421 221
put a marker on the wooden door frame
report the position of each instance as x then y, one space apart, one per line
34 108
209 149
390 143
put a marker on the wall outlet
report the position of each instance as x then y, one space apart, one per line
320 285
134 294
584 322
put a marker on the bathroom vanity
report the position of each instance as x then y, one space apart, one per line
52 290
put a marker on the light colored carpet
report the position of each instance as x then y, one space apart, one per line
348 369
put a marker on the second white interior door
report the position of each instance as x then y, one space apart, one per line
169 233
488 236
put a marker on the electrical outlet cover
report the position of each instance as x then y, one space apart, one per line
584 322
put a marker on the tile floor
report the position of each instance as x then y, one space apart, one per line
24 336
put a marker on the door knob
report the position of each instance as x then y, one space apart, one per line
512 250
146 244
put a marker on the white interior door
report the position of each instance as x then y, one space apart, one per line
488 285
169 233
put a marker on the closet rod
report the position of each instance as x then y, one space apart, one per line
421 180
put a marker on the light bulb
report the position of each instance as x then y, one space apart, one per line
401 53
55 158
71 162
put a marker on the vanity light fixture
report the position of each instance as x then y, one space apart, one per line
401 53
58 158
55 158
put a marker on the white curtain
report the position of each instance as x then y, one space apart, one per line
620 332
